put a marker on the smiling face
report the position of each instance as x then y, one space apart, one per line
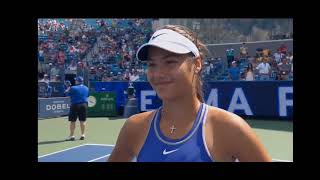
171 75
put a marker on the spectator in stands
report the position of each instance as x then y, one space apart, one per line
290 57
72 68
119 76
134 76
45 78
106 77
126 76
243 51
83 71
40 55
249 76
48 90
264 69
207 68
48 69
56 79
54 71
283 49
61 71
234 72
99 73
92 75
211 67
61 58
67 84
230 56
266 52
284 69
274 69
277 56
114 76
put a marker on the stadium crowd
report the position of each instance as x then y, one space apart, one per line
104 50
263 65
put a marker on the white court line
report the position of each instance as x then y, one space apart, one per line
61 151
75 147
99 158
280 160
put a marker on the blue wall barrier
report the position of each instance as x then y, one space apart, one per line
250 98
53 107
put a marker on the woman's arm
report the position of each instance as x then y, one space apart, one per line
131 137
122 151
246 145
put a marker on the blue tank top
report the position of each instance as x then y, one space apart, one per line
190 148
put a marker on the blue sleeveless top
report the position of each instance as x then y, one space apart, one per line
190 148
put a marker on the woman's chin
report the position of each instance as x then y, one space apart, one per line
166 96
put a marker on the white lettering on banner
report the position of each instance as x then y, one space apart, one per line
243 105
283 102
145 101
213 98
57 106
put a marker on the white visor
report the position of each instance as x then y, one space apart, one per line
168 40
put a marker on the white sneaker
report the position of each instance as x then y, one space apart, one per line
70 138
82 137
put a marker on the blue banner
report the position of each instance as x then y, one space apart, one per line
53 107
251 98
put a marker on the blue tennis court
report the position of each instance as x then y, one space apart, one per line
88 153
81 153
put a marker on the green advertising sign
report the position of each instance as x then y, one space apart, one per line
102 104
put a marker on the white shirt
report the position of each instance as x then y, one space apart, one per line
133 77
277 57
249 76
263 68
41 53
243 50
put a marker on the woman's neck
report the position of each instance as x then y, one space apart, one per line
183 109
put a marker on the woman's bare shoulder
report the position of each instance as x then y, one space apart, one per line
140 121
221 117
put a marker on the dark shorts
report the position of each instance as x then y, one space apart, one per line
78 110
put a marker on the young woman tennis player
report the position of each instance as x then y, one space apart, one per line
184 128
